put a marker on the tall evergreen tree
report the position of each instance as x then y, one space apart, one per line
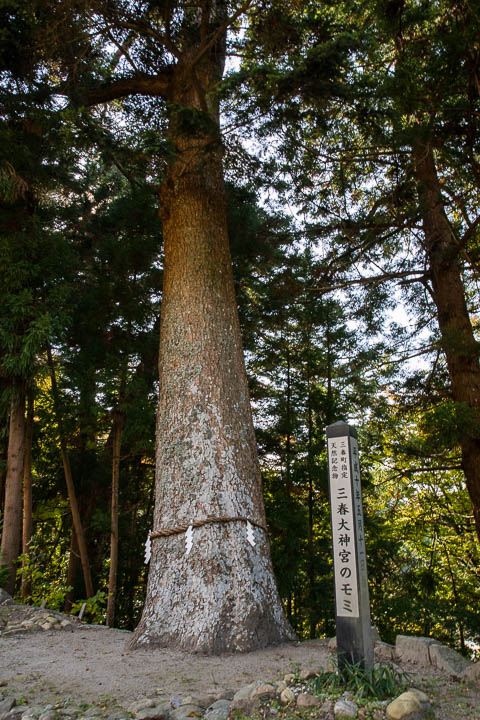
207 467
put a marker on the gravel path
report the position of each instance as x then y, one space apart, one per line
91 661
73 663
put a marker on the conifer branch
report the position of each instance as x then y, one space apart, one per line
141 84
415 275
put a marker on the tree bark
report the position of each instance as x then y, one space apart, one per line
458 341
26 586
222 596
12 519
76 519
118 419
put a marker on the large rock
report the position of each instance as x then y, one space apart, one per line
305 700
32 712
308 674
414 649
472 672
243 700
410 705
141 704
344 709
225 694
184 712
264 691
287 696
383 651
200 700
158 712
6 705
448 660
219 710
5 598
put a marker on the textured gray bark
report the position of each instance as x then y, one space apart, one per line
222 596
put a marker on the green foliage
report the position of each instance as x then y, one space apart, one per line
95 607
4 571
382 681
44 569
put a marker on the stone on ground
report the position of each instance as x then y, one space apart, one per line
141 704
219 710
344 709
7 704
307 674
414 649
472 672
409 705
187 711
448 660
384 651
264 691
305 700
5 598
243 700
287 696
158 712
422 697
201 700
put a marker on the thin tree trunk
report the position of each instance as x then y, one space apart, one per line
330 403
222 596
312 602
77 521
118 419
12 519
72 571
458 341
26 586
456 598
288 440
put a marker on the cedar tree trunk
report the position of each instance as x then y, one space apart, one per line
12 519
222 596
458 341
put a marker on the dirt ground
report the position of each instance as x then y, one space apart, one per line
91 664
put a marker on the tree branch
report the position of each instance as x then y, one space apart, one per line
156 85
374 280
219 32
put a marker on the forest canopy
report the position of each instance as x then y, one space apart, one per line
328 153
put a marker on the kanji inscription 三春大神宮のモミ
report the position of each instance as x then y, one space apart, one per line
344 526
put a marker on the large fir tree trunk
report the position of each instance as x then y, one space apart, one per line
458 341
222 595
12 519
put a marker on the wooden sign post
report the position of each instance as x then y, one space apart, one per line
354 637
